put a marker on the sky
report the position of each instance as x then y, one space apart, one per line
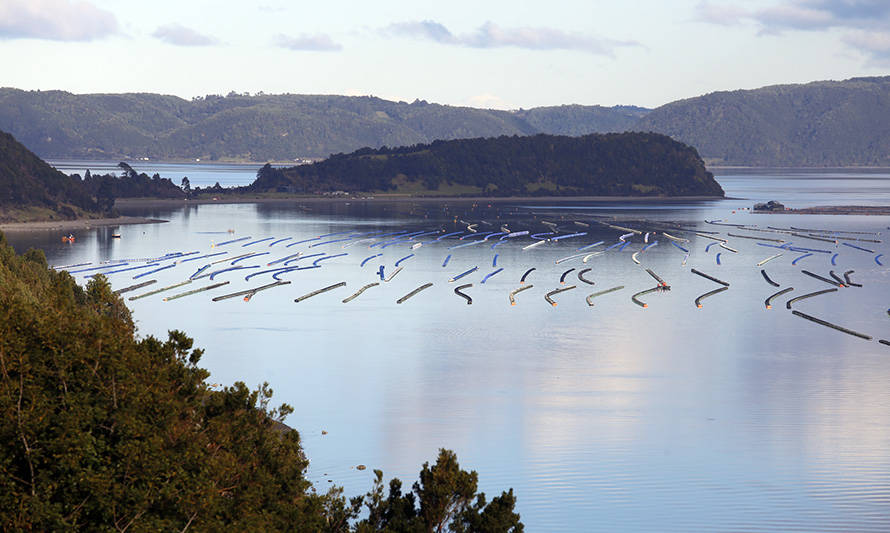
504 54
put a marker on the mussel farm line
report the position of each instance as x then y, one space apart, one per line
514 292
459 288
319 291
709 294
412 293
808 295
549 296
768 280
359 292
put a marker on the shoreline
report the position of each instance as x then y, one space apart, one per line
77 224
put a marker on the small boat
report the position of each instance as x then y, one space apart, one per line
115 235
68 238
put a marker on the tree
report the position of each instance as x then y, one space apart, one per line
105 197
186 187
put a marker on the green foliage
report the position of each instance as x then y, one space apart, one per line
824 123
628 164
264 127
102 431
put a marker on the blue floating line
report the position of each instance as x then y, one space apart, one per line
197 272
684 249
203 257
538 235
233 240
833 258
131 268
452 234
380 272
623 246
281 240
718 257
650 245
569 236
771 245
490 235
320 259
619 243
798 249
291 269
589 246
465 273
495 245
97 268
476 235
799 258
490 274
294 260
708 247
137 276
247 277
251 256
257 242
494 261
390 243
232 268
334 234
409 256
445 262
330 242
858 247
304 240
365 260
514 234
877 257
425 233
471 243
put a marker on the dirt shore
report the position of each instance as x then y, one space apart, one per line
879 210
71 225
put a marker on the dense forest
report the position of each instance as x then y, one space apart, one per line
58 124
104 431
631 164
826 123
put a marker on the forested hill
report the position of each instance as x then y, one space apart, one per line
30 188
633 164
826 123
57 124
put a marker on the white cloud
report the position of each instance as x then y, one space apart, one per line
316 43
876 44
487 101
490 35
55 20
181 36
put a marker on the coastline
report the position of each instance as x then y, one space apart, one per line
78 224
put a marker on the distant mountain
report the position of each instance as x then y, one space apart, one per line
31 189
57 124
825 123
626 164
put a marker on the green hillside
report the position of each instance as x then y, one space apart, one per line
631 164
826 123
57 124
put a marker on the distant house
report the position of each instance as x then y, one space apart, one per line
772 205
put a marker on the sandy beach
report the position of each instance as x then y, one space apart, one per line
72 225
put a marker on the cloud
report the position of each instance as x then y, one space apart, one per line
490 35
181 36
55 20
487 101
315 43
864 23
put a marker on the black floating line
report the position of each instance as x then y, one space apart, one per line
882 341
771 282
415 291
319 291
562 279
712 278
820 278
457 291
832 326
549 295
707 294
808 295
847 279
635 297
582 278
836 278
527 272
769 301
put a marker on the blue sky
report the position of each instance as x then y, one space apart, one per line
503 54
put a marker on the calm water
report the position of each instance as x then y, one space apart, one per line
199 175
605 418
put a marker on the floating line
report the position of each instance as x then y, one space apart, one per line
672 238
494 261
365 260
247 277
589 246
718 258
409 256
635 298
162 289
320 259
452 234
380 272
771 282
549 296
447 258
202 257
833 260
394 272
623 246
319 291
768 259
514 292
280 240
330 242
97 268
297 257
137 286
301 242
590 297
213 275
634 257
582 278
527 272
877 259
250 292
858 247
415 291
530 246
465 273
799 258
248 256
562 279
195 291
820 278
832 326
708 247
198 272
848 281
712 278
491 274
569 236
257 242
708 294
594 254
143 274
769 301
283 271
725 247
359 292
457 291
680 247
809 295
661 282
836 278
230 242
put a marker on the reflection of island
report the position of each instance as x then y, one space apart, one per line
831 210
